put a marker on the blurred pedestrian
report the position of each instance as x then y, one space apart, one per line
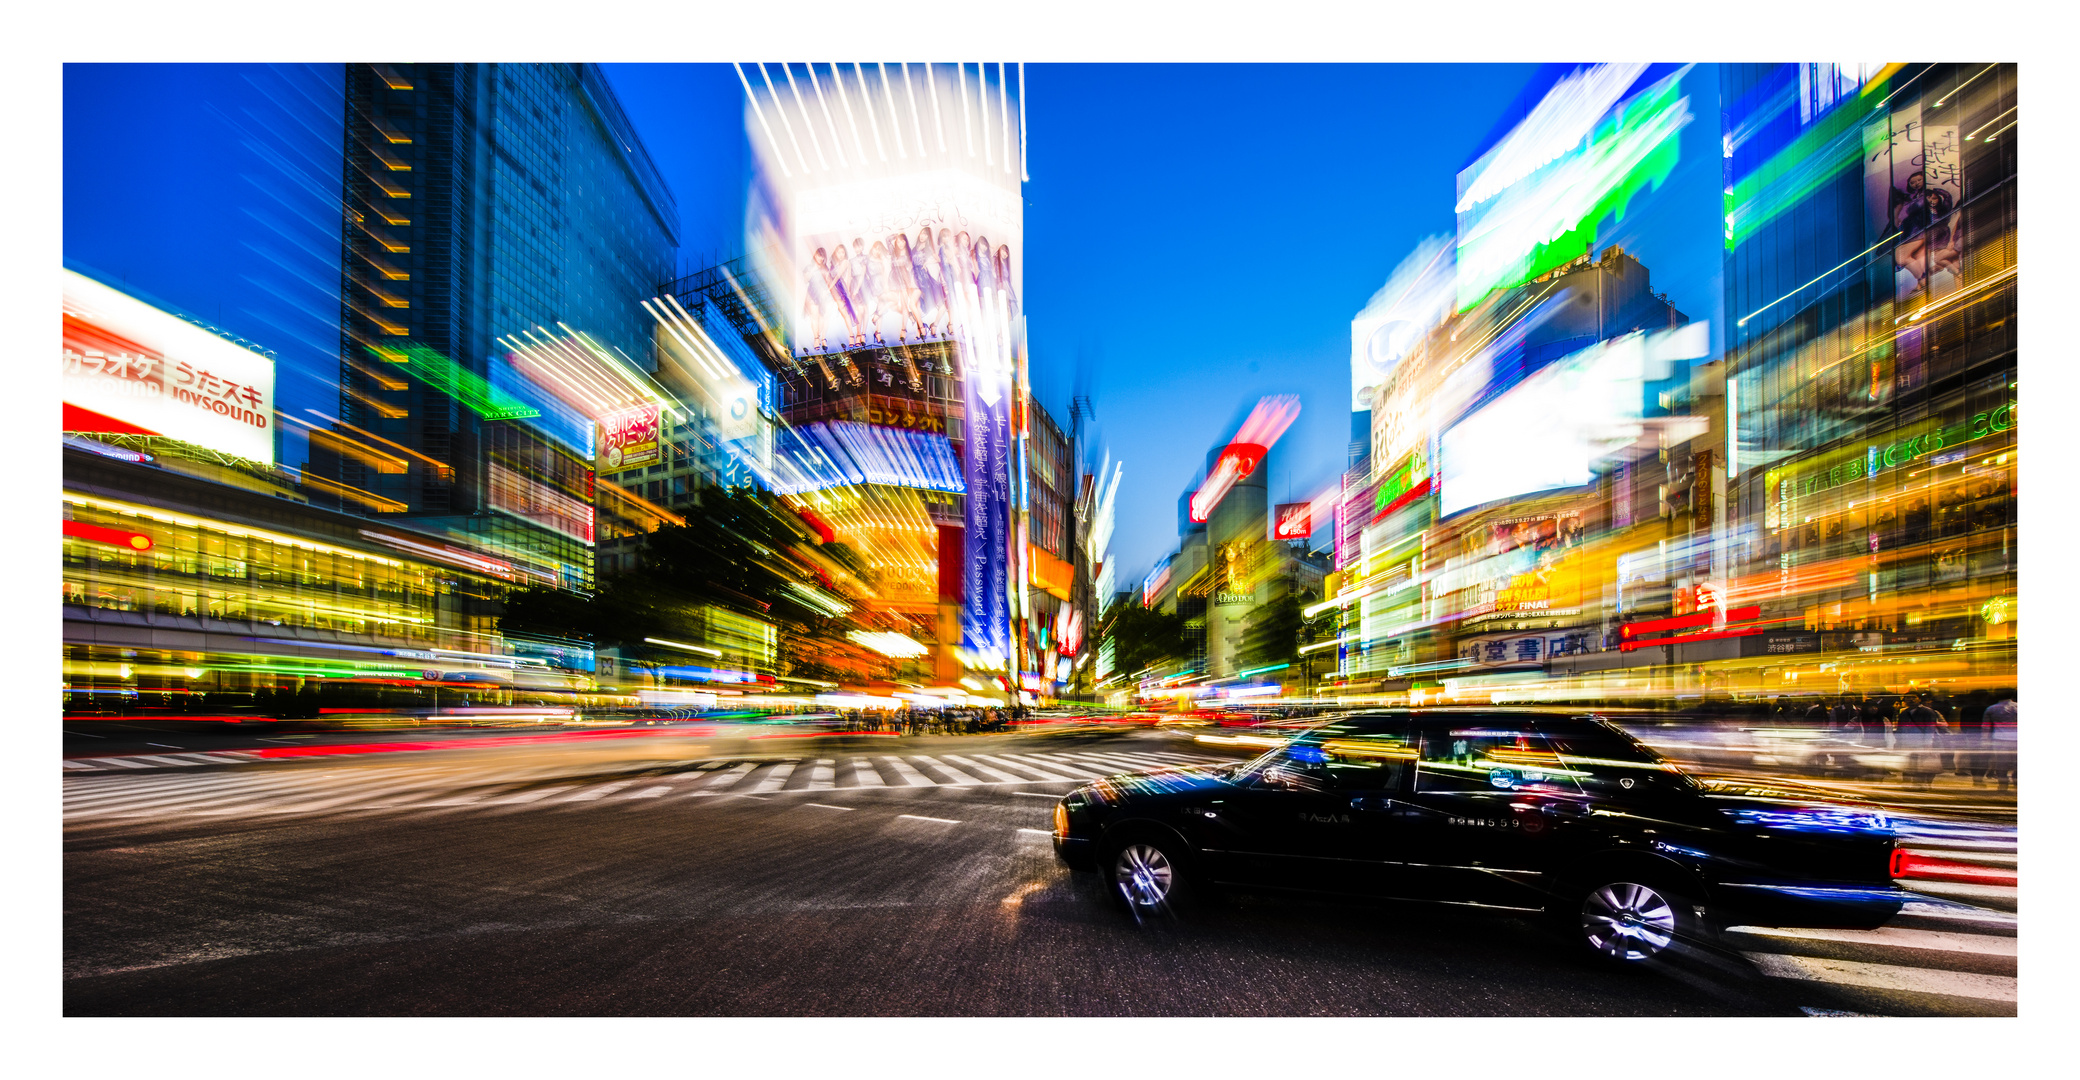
1999 726
1921 734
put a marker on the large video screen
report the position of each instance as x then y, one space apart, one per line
1555 428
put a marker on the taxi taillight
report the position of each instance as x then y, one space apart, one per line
1899 862
1061 820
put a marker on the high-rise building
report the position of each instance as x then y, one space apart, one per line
1871 385
490 207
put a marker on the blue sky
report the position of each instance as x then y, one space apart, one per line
1197 235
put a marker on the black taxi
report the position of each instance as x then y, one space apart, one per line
1550 812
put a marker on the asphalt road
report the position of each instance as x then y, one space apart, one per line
856 876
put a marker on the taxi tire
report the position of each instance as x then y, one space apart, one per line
1627 920
1163 868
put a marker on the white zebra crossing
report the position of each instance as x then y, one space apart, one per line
150 761
1934 951
318 788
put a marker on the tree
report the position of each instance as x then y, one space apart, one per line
1142 637
739 551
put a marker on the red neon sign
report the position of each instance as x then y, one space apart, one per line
122 538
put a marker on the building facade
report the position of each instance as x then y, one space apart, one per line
488 206
1871 278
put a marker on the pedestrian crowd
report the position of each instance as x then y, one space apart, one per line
954 720
1972 735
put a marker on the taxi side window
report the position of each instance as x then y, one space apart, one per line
1605 764
1336 761
1490 758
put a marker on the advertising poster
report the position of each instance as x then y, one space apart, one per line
1913 176
630 438
897 193
130 368
1534 557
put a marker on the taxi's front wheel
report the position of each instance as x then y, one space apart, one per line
1144 873
1629 921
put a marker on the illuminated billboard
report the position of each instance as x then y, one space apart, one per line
1533 201
130 368
889 211
1552 430
1416 298
1293 521
1269 420
630 437
898 201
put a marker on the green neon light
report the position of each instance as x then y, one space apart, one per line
1814 159
1549 218
1261 670
456 381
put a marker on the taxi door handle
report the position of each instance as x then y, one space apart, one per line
1372 802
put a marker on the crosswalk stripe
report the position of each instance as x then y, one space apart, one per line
80 766
186 798
960 779
125 763
988 771
1072 770
109 791
730 779
1146 760
1896 937
1043 774
1923 909
1887 976
597 791
909 775
775 778
1109 765
536 795
362 791
822 776
1961 889
659 791
863 774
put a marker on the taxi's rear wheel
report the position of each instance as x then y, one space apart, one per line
1144 873
1630 919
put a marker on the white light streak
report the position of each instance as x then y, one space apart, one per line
967 121
895 115
916 128
784 122
1004 114
1022 122
866 100
931 86
761 114
807 122
837 80
982 99
837 144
